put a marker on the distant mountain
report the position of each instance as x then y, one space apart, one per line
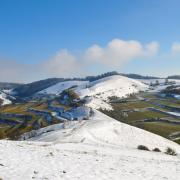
6 85
26 90
137 76
174 77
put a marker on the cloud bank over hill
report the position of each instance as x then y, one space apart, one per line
118 52
175 48
64 63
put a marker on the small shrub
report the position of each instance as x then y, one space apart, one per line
35 172
170 151
156 150
51 154
142 147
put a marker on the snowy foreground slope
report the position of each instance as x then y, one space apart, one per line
100 148
104 130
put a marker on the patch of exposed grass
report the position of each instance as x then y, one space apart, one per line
16 108
136 116
131 105
133 116
160 128
177 141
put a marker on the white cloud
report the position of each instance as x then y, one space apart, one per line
175 49
65 64
118 52
152 48
12 71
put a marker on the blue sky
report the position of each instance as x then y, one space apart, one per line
35 35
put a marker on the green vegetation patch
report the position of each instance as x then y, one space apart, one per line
131 105
136 116
160 128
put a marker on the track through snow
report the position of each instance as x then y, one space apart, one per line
100 148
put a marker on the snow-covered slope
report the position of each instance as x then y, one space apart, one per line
161 85
117 85
4 98
101 129
161 81
100 90
100 148
59 87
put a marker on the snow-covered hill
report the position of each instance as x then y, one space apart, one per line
59 87
99 148
101 129
119 86
4 98
115 85
161 82
99 91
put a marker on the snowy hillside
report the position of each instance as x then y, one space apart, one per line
161 85
117 85
4 98
99 148
99 91
161 81
101 129
59 87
